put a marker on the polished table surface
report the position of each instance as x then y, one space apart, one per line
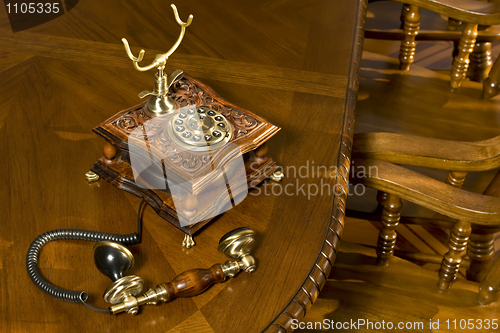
292 62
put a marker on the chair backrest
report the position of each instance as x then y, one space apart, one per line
472 44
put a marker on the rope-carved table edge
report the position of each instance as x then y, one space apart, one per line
308 293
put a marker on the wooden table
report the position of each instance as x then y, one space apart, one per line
293 62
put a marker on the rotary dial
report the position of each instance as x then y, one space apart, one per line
200 129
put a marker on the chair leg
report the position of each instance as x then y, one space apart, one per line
381 199
387 236
490 286
404 11
453 25
480 250
461 61
491 88
456 178
408 44
452 259
480 62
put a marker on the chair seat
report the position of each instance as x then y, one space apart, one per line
421 102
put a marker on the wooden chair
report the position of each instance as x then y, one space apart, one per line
418 104
473 41
379 154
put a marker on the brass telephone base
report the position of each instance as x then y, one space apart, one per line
160 103
160 106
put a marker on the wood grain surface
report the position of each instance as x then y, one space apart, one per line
292 62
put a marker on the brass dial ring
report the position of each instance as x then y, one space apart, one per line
200 129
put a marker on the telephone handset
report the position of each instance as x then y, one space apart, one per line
187 151
113 260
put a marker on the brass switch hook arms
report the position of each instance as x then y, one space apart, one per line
161 59
113 260
160 103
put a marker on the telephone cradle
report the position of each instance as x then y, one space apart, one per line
155 157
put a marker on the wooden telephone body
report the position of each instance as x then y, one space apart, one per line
194 169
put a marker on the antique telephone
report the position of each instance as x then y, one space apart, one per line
190 155
188 152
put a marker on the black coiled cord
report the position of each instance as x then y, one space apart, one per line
88 235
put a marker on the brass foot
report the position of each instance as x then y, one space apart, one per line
92 176
188 241
277 176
